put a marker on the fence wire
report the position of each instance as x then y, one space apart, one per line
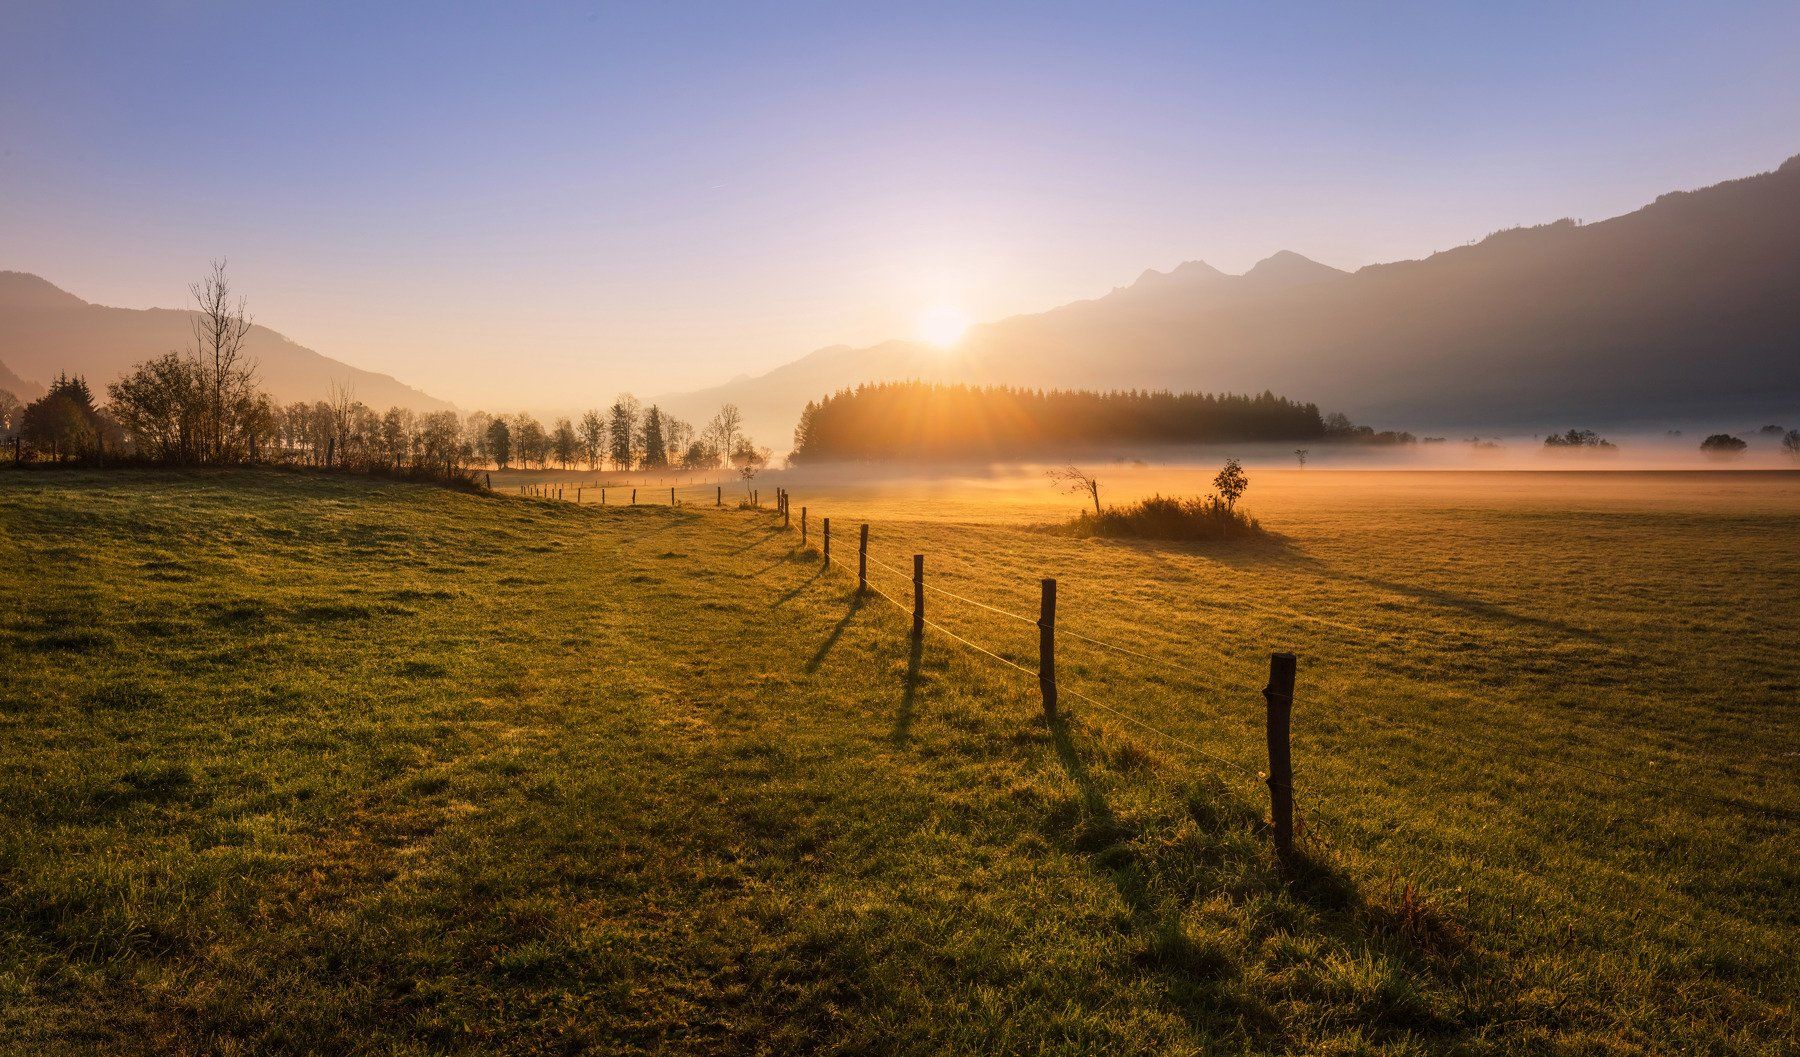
1497 745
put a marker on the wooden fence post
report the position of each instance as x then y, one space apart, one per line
602 496
719 498
918 596
827 543
802 528
577 495
490 481
785 522
634 497
1047 646
862 561
1279 695
671 495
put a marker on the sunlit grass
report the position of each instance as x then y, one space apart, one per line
295 764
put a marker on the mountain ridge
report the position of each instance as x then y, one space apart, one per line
46 330
1678 310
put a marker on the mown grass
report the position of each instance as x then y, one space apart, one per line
295 765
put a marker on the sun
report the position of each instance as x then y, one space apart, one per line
943 325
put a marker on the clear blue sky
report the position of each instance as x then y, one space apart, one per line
505 203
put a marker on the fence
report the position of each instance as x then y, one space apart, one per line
609 494
1278 694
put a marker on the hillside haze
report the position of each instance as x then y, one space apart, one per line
1682 310
45 330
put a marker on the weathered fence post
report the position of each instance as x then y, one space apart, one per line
719 498
602 496
918 596
671 495
490 480
634 497
862 560
1047 646
785 521
1280 697
827 542
577 495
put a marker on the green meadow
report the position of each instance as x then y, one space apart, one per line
303 764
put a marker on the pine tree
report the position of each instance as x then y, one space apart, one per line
622 430
656 452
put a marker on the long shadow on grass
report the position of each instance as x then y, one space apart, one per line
1466 605
761 539
1269 549
903 718
837 632
1214 988
798 589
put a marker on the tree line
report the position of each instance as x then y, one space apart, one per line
202 406
923 420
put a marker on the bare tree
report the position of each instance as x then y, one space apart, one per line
622 431
340 399
725 427
220 327
593 438
1073 480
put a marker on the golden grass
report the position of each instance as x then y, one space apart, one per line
296 764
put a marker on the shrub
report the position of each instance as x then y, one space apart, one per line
1169 518
1723 445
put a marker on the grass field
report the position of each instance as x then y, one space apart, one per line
301 764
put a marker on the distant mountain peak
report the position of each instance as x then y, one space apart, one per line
1185 272
1287 268
25 290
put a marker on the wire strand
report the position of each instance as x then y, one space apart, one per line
1188 745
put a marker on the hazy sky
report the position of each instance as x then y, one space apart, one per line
518 204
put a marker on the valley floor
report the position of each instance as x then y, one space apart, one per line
308 764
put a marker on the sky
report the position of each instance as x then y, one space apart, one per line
516 205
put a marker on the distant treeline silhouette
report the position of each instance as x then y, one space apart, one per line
203 407
923 420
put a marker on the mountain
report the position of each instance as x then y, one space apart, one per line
771 402
45 330
19 387
1683 310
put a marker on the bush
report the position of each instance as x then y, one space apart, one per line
1721 445
1169 518
1577 438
